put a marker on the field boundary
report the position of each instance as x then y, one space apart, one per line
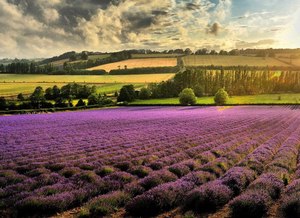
91 107
210 105
53 110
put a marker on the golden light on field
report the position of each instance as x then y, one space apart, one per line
138 63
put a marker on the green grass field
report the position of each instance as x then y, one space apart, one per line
13 84
101 56
250 99
219 60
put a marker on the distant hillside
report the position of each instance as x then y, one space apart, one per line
6 61
71 56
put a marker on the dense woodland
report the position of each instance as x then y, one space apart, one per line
236 82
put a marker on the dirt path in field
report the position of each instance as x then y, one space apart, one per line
68 214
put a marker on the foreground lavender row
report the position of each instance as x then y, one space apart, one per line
152 160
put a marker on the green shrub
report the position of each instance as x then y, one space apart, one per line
109 203
145 93
187 97
221 97
140 171
105 170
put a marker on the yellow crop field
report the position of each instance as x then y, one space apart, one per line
219 60
293 61
155 55
138 63
13 84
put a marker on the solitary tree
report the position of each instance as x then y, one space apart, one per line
221 97
188 51
127 93
84 56
187 97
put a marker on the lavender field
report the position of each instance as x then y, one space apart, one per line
149 161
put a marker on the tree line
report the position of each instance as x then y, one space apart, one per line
26 68
236 82
57 97
69 68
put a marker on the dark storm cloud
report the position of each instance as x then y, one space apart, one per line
70 14
192 6
69 10
138 20
159 12
214 29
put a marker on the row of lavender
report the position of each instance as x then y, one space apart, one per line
148 160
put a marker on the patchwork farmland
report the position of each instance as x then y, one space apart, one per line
196 162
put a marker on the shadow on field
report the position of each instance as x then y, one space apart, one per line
192 108
143 108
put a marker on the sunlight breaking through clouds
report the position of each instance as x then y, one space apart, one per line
45 28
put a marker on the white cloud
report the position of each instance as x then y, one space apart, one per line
51 15
50 27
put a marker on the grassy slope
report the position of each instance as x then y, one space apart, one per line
60 63
219 60
251 99
102 56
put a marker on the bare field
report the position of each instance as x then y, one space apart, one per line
138 63
220 60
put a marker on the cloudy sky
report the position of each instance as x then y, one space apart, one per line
44 28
